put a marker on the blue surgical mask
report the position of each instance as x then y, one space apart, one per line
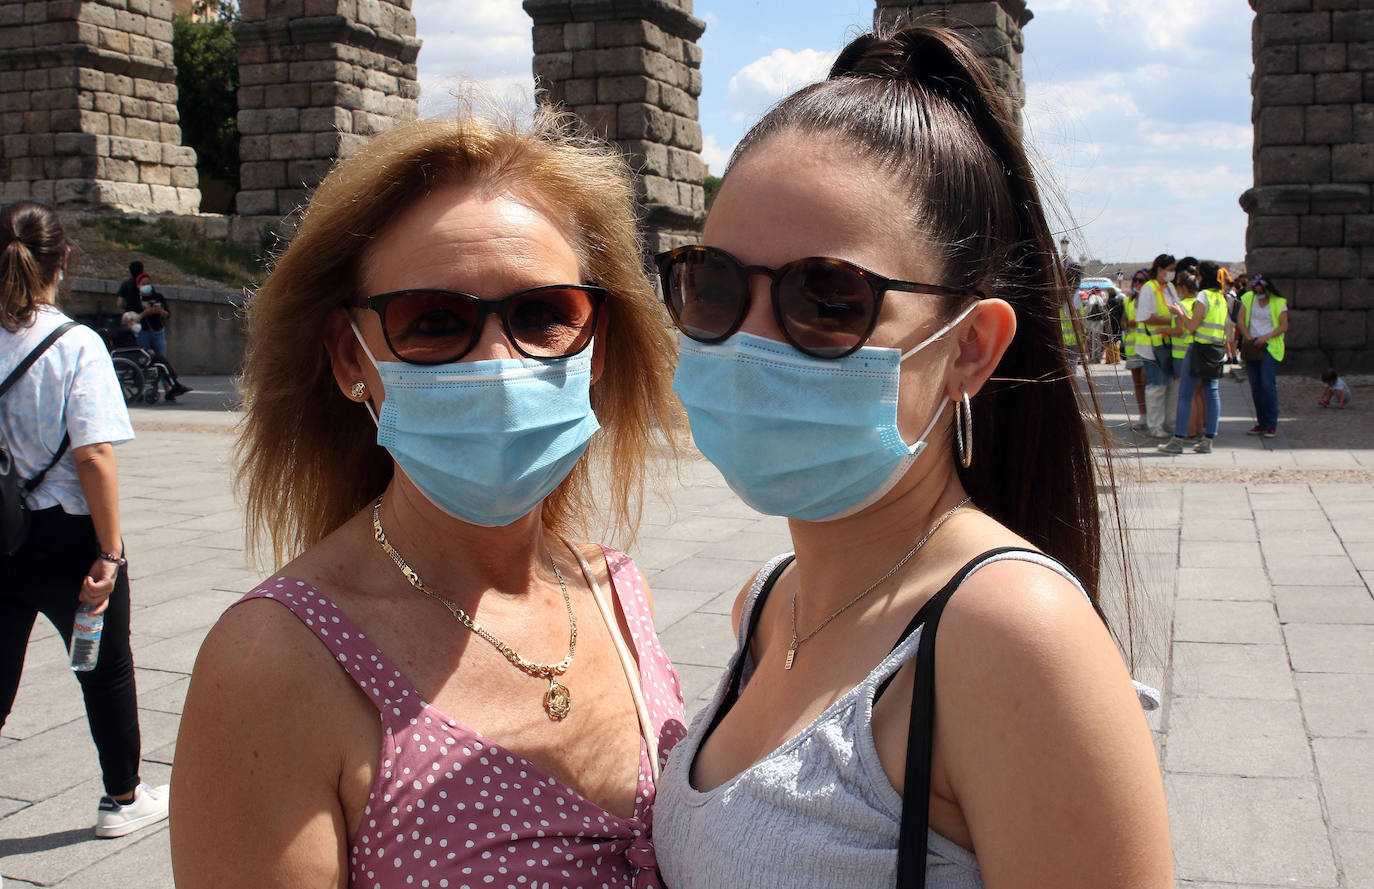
486 441
145 289
796 436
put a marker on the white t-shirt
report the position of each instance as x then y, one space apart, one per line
71 388
1261 322
1147 306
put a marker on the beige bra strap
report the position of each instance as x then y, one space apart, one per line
627 662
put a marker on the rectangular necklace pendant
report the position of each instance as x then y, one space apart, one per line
791 653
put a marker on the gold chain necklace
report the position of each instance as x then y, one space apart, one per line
557 700
796 643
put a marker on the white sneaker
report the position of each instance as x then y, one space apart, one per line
149 806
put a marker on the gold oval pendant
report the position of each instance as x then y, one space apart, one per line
557 700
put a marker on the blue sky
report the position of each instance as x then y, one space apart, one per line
1137 114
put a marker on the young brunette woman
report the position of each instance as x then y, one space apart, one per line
871 347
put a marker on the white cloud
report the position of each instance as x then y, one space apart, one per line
763 81
482 47
715 156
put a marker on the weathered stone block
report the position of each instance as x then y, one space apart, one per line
582 91
1317 293
154 174
307 173
1359 231
142 129
1335 88
314 120
1357 293
579 35
283 120
256 203
64 143
686 133
633 88
657 190
1359 56
286 146
602 120
1294 27
1338 262
1352 163
1284 262
555 66
1329 124
1285 89
1355 25
185 177
1315 57
548 38
255 148
1281 125
677 101
1342 329
1339 198
1279 165
1322 231
643 121
259 175
252 121
1272 231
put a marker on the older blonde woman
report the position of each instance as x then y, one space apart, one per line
452 693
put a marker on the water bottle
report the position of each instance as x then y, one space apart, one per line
86 637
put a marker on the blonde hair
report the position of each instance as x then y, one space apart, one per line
307 457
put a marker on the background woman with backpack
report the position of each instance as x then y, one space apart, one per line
64 411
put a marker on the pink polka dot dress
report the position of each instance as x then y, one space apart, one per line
452 809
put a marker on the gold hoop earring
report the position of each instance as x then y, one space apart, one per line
963 429
359 391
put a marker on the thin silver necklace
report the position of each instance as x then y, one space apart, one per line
796 643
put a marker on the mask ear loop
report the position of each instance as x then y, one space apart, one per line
941 332
368 352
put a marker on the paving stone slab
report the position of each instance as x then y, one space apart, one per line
705 640
50 841
145 863
1346 768
712 576
1211 621
40 766
1330 648
698 684
1249 830
1231 671
671 606
1324 605
1281 549
1314 570
1253 738
1355 849
1210 553
1244 582
1337 705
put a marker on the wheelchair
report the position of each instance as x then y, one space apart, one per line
141 376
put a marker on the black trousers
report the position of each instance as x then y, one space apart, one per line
45 577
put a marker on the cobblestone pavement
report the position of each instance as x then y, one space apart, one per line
1254 564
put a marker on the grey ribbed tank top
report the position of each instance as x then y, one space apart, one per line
819 811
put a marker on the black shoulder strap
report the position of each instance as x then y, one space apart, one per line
737 674
32 484
33 356
911 845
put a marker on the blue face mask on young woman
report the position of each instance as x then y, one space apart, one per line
807 438
486 441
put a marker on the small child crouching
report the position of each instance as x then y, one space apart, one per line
1336 393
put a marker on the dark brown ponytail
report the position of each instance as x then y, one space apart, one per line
33 246
919 104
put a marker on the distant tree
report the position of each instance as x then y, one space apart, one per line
205 49
711 184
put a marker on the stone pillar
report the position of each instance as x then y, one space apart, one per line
316 78
88 106
993 26
631 69
1310 229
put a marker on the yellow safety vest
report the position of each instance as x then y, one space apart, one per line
1066 324
1277 306
1155 332
1128 340
1180 342
1213 327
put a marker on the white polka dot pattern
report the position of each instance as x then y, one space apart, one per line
451 808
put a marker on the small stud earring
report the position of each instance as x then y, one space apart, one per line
359 390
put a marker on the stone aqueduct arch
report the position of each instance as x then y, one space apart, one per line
88 116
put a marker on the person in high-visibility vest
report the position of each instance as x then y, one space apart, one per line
1069 321
1203 320
1134 334
1152 313
1263 322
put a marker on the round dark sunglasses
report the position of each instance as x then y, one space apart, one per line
441 326
826 308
